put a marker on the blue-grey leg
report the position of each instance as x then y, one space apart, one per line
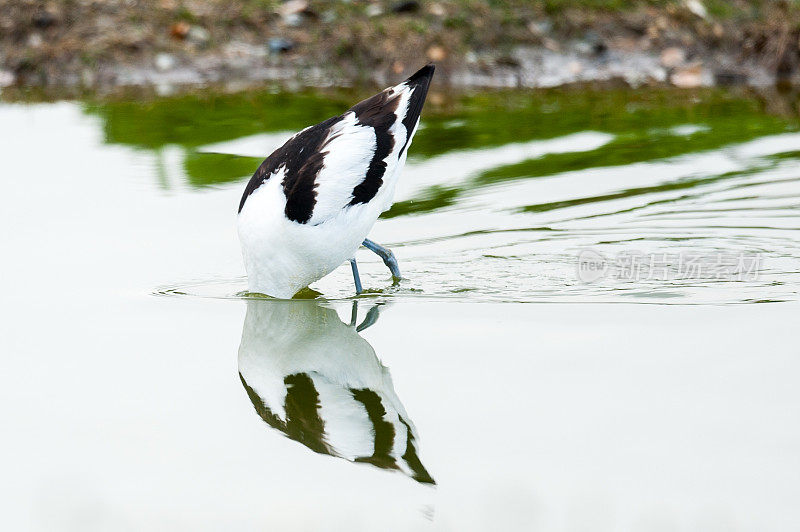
370 319
386 254
356 278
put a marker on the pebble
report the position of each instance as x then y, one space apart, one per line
279 45
294 12
198 35
292 7
374 10
165 62
179 30
540 28
35 40
293 20
437 10
436 53
696 7
7 78
551 44
672 57
688 77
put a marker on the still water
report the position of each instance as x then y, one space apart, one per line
597 329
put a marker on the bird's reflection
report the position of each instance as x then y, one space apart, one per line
312 377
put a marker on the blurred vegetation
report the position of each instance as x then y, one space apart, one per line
91 44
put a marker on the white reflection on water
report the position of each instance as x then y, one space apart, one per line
313 378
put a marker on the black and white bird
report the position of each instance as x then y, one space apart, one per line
316 380
311 204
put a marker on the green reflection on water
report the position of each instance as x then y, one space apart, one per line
498 118
434 198
204 169
648 124
196 119
638 191
721 125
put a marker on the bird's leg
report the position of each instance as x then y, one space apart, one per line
356 278
386 254
370 319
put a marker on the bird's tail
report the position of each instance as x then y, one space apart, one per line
418 83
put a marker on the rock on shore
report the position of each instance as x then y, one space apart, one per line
86 44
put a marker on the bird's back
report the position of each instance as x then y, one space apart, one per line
315 198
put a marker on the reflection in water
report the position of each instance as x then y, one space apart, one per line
312 377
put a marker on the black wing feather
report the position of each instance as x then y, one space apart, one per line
303 155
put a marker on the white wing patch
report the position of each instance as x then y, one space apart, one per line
349 151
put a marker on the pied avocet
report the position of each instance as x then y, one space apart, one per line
312 203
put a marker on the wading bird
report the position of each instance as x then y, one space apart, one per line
311 204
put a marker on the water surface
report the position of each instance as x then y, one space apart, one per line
659 393
504 190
